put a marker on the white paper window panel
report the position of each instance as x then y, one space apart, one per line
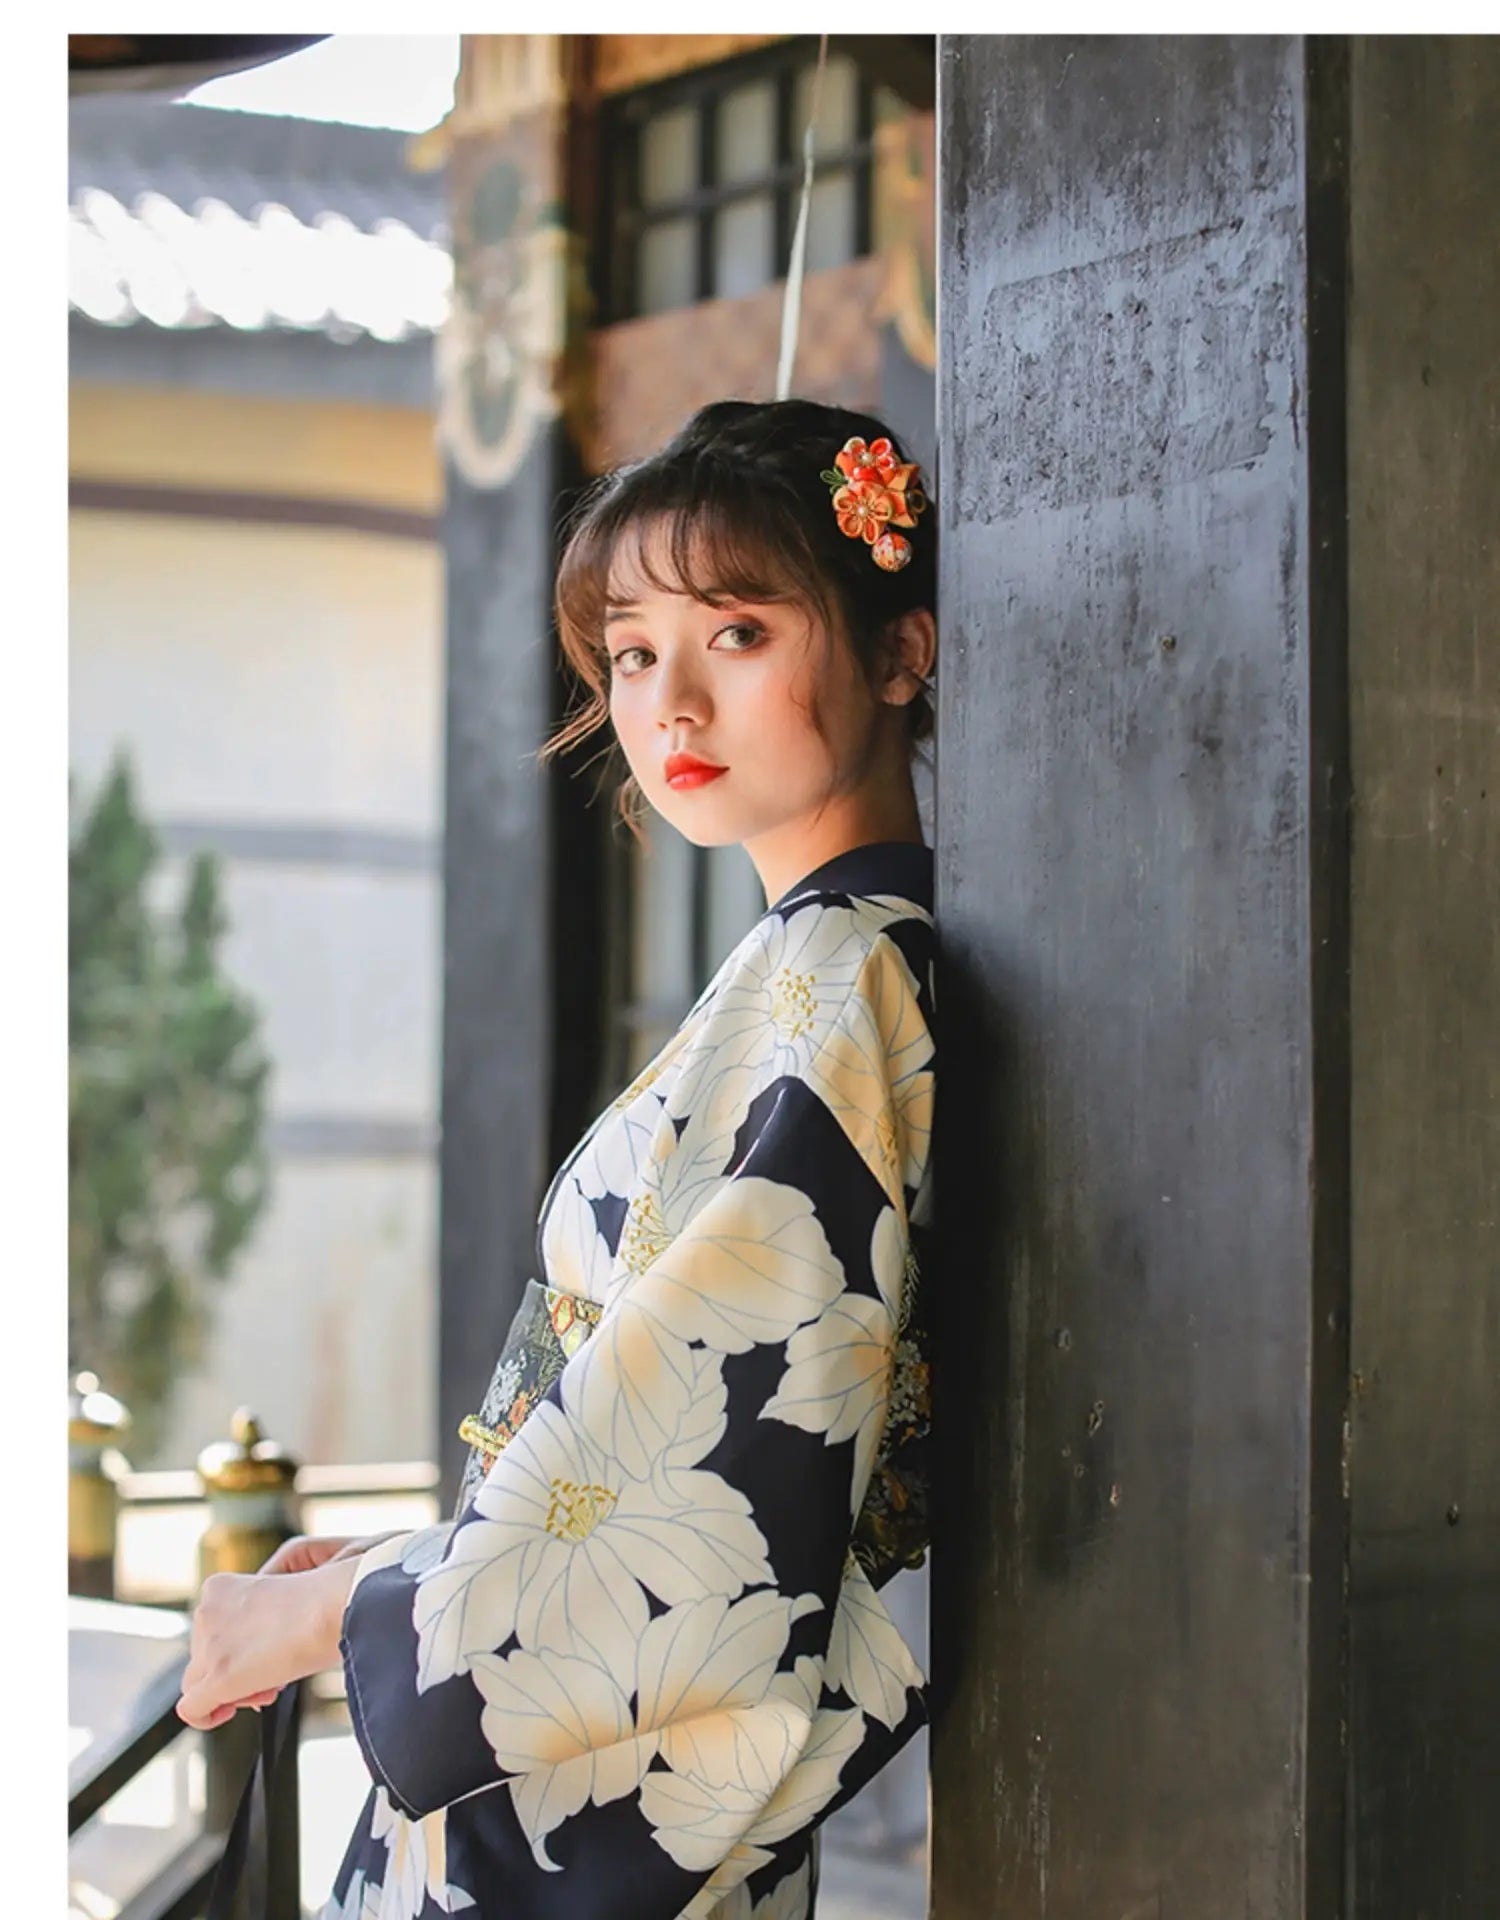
669 155
668 266
745 137
744 245
838 106
830 222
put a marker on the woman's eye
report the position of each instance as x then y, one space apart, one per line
622 662
740 638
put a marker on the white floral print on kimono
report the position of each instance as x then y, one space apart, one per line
641 1666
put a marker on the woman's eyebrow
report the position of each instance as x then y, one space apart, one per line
624 611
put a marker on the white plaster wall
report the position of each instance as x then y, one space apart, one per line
264 673
346 966
329 1327
275 677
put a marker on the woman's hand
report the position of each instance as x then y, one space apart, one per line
310 1550
252 1636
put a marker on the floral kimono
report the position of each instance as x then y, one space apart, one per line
643 1663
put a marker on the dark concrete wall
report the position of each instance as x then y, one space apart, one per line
1143 1131
1424 533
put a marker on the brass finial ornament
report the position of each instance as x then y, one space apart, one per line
96 1424
251 1485
247 1462
95 1418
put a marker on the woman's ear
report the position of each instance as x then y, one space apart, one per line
911 649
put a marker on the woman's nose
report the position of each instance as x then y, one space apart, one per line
680 693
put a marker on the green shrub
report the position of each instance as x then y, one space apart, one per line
166 1110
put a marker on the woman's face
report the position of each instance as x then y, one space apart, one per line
713 707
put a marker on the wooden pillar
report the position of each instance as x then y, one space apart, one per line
1219 1547
1143 1165
522 890
1424 570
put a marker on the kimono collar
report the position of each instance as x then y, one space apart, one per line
901 867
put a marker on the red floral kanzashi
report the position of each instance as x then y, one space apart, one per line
874 492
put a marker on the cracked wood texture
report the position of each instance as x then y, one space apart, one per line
1219 890
1137 1585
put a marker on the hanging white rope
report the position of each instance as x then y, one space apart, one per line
791 302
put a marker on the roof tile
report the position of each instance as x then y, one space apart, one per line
193 217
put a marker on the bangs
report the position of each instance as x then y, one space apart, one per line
733 538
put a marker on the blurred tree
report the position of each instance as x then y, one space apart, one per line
166 1107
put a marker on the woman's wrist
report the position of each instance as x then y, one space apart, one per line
335 1581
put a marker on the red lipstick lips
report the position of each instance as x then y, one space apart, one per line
685 770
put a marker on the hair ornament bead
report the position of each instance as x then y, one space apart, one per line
874 493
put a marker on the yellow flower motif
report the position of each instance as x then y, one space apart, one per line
562 1535
793 1007
778 1003
575 1511
645 1233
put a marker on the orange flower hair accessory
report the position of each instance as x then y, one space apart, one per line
874 493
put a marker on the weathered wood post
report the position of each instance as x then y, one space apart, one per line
522 886
96 1424
1423 426
1219 887
250 1483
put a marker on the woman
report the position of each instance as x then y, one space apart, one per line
647 1658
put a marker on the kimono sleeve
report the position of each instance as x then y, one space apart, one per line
650 1607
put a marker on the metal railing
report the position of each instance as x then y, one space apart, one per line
127 1661
177 1887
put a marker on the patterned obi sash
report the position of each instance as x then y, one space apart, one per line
550 1326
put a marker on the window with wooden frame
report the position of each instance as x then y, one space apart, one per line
703 173
699 189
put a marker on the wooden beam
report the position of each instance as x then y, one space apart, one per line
904 62
625 61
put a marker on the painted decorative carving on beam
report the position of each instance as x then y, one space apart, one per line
497 353
508 358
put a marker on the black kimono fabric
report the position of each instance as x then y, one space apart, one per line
642 1665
